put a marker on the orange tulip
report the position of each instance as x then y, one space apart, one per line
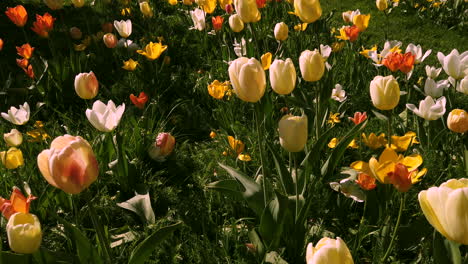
217 22
139 101
22 63
401 177
396 61
358 117
261 3
407 62
43 25
366 182
17 203
17 15
1 44
25 51
29 71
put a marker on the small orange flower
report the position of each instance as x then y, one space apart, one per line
366 182
139 101
22 63
25 51
29 71
352 32
358 117
17 203
217 22
17 15
400 177
43 25
407 62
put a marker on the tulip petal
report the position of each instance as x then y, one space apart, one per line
43 164
61 142
457 215
433 204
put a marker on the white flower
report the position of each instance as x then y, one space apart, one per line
14 138
338 94
435 89
105 118
349 15
198 18
432 72
240 49
462 86
429 109
18 116
417 52
454 64
124 27
325 51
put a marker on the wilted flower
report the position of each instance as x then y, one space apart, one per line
428 108
43 25
162 147
12 159
139 101
18 116
105 118
338 94
457 121
17 15
130 65
86 85
14 138
198 18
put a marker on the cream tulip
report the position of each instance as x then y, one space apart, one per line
338 94
428 108
14 138
462 86
283 76
248 79
445 209
281 31
247 10
457 121
327 251
124 27
86 85
417 52
312 65
432 72
293 132
18 116
198 18
454 64
24 233
308 10
385 92
105 118
435 89
236 23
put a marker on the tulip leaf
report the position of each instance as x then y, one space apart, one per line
141 205
283 173
271 222
318 147
229 187
380 116
445 251
143 250
252 193
257 242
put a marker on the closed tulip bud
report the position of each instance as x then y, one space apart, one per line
457 121
69 164
248 79
12 159
54 4
308 10
385 92
312 65
14 138
283 76
229 9
445 209
75 33
105 118
24 233
145 9
281 31
78 3
247 10
124 27
163 147
293 132
462 86
381 4
110 40
329 250
236 23
86 85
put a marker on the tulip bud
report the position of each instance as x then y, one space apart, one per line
75 33
293 132
12 159
1 44
381 4
457 121
124 27
54 4
145 9
229 9
281 31
236 23
312 65
14 138
24 233
385 92
86 85
110 40
283 76
78 3
308 10
248 79
462 86
163 147
247 10
328 250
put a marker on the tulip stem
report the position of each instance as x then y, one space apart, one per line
260 148
390 246
296 179
389 128
102 240
317 114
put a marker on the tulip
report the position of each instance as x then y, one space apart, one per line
350 33
358 117
163 146
381 4
366 182
293 132
385 92
145 9
236 145
17 203
266 60
283 76
307 10
433 89
247 10
445 209
312 65
217 22
401 143
124 27
281 31
248 79
361 21
236 23
18 116
457 121
228 8
432 72
25 51
12 159
43 25
75 33
417 52
1 44
86 85
373 141
14 138
105 118
54 4
328 250
139 101
208 6
462 86
349 15
24 233
78 3
17 15
187 2
454 64
110 40
130 65
198 18
69 164
428 108
152 50
338 94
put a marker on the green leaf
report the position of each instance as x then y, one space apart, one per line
228 187
145 248
445 251
380 116
257 241
283 173
271 223
141 205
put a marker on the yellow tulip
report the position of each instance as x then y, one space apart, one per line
381 4
152 50
172 2
385 92
307 10
457 121
312 65
361 21
130 65
236 145
247 10
402 143
266 60
373 141
248 79
281 31
293 132
78 3
207 5
218 89
145 9
327 251
24 233
12 159
445 209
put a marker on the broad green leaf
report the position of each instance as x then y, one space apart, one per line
141 205
228 187
445 251
271 222
257 241
283 173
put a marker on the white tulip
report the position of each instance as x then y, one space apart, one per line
417 52
462 86
124 27
429 109
454 64
281 31
18 116
338 94
105 118
247 78
435 89
432 72
283 76
14 138
327 251
198 18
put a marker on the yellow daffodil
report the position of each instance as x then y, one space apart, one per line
402 143
373 141
152 50
130 65
300 27
244 157
365 52
38 134
12 159
236 145
218 89
266 60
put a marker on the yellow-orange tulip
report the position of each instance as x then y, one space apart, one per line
457 121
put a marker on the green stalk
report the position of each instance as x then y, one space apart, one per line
260 147
296 184
389 128
317 113
100 233
392 240
357 242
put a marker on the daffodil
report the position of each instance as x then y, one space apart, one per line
333 119
152 50
130 65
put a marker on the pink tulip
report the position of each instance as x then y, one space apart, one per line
163 146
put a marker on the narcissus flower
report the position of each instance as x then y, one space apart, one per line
86 85
328 250
218 89
25 51
43 25
139 101
266 60
283 76
17 203
385 92
12 159
105 118
162 147
428 108
14 138
217 22
152 50
17 15
308 10
18 116
248 79
457 121
69 164
124 27
445 209
293 132
24 233
130 65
